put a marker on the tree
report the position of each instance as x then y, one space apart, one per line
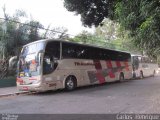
109 30
9 35
58 32
83 37
112 33
13 35
34 27
92 39
92 11
140 17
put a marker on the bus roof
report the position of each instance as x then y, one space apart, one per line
61 40
139 55
135 55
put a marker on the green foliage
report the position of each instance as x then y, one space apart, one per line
145 25
58 32
13 34
140 17
109 30
92 11
92 39
34 31
113 33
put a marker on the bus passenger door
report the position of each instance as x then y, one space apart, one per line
145 69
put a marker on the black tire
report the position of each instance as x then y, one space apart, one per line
141 75
134 75
70 83
154 72
121 77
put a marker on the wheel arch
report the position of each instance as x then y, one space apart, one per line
141 73
121 73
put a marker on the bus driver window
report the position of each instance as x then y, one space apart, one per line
48 64
51 57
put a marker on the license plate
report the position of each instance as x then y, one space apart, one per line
25 88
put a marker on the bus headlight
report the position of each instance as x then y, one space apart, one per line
157 71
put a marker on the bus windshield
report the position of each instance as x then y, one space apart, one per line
30 60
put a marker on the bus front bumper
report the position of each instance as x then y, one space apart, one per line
41 87
37 88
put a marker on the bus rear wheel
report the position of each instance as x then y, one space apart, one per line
154 72
70 83
121 77
141 75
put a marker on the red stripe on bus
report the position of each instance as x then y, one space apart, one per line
126 66
109 65
25 88
98 65
118 65
99 75
32 78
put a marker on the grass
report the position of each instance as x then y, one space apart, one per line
8 82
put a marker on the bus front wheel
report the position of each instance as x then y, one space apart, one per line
70 83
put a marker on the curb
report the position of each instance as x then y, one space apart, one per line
13 94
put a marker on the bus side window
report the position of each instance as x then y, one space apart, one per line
53 49
47 65
52 54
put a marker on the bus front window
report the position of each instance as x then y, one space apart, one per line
30 60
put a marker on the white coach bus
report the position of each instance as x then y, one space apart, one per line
55 64
143 66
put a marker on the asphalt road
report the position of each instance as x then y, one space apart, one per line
133 96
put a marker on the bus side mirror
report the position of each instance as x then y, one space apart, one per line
13 62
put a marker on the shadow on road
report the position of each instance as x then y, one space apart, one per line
84 88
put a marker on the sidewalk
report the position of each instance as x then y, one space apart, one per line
8 90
